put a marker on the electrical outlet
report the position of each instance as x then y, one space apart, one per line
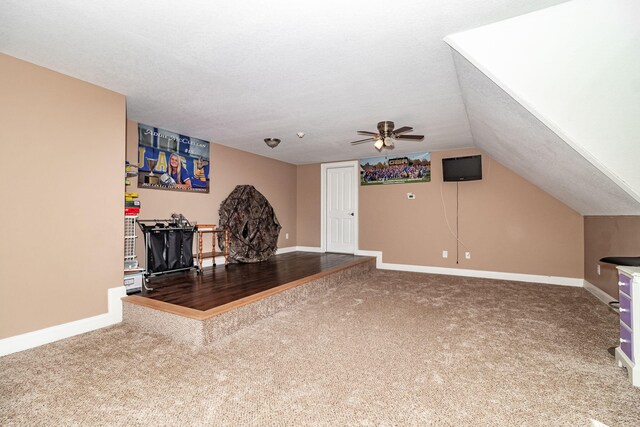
286 236
467 255
445 254
598 269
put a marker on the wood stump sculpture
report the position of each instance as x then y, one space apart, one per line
252 225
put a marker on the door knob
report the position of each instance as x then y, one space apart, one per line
351 214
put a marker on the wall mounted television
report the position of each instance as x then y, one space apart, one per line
467 168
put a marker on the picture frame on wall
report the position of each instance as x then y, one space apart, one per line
172 161
402 169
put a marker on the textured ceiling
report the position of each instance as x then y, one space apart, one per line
237 72
517 139
554 96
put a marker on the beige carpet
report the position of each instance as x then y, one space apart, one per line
390 349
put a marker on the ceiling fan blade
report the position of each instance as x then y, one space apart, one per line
360 141
364 132
413 137
403 129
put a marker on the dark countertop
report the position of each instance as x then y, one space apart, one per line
630 261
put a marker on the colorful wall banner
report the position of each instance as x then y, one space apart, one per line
396 170
170 161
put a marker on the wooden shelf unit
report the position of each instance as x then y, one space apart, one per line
216 235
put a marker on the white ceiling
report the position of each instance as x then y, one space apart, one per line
554 95
237 72
517 139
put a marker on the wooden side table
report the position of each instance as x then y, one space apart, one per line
216 235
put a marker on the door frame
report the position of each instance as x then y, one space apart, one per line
355 164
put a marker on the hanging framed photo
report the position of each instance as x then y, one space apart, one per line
171 161
396 170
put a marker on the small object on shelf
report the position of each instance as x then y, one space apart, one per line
216 235
133 281
130 170
130 261
131 204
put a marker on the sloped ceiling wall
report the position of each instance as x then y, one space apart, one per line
554 95
517 139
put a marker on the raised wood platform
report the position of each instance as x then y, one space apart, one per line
199 309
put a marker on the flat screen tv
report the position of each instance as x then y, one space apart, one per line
467 168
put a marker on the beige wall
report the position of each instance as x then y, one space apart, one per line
63 235
507 224
229 167
606 236
62 227
308 179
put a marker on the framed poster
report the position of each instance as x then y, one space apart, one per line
170 161
396 170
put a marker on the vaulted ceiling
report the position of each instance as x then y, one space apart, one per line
555 96
235 73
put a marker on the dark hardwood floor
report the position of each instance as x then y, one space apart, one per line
219 286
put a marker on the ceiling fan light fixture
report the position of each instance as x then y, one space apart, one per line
272 142
387 136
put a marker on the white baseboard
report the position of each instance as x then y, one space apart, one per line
286 250
66 330
599 293
518 277
114 314
219 260
309 249
377 254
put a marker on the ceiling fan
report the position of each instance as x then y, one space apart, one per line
386 135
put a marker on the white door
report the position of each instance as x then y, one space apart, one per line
340 205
